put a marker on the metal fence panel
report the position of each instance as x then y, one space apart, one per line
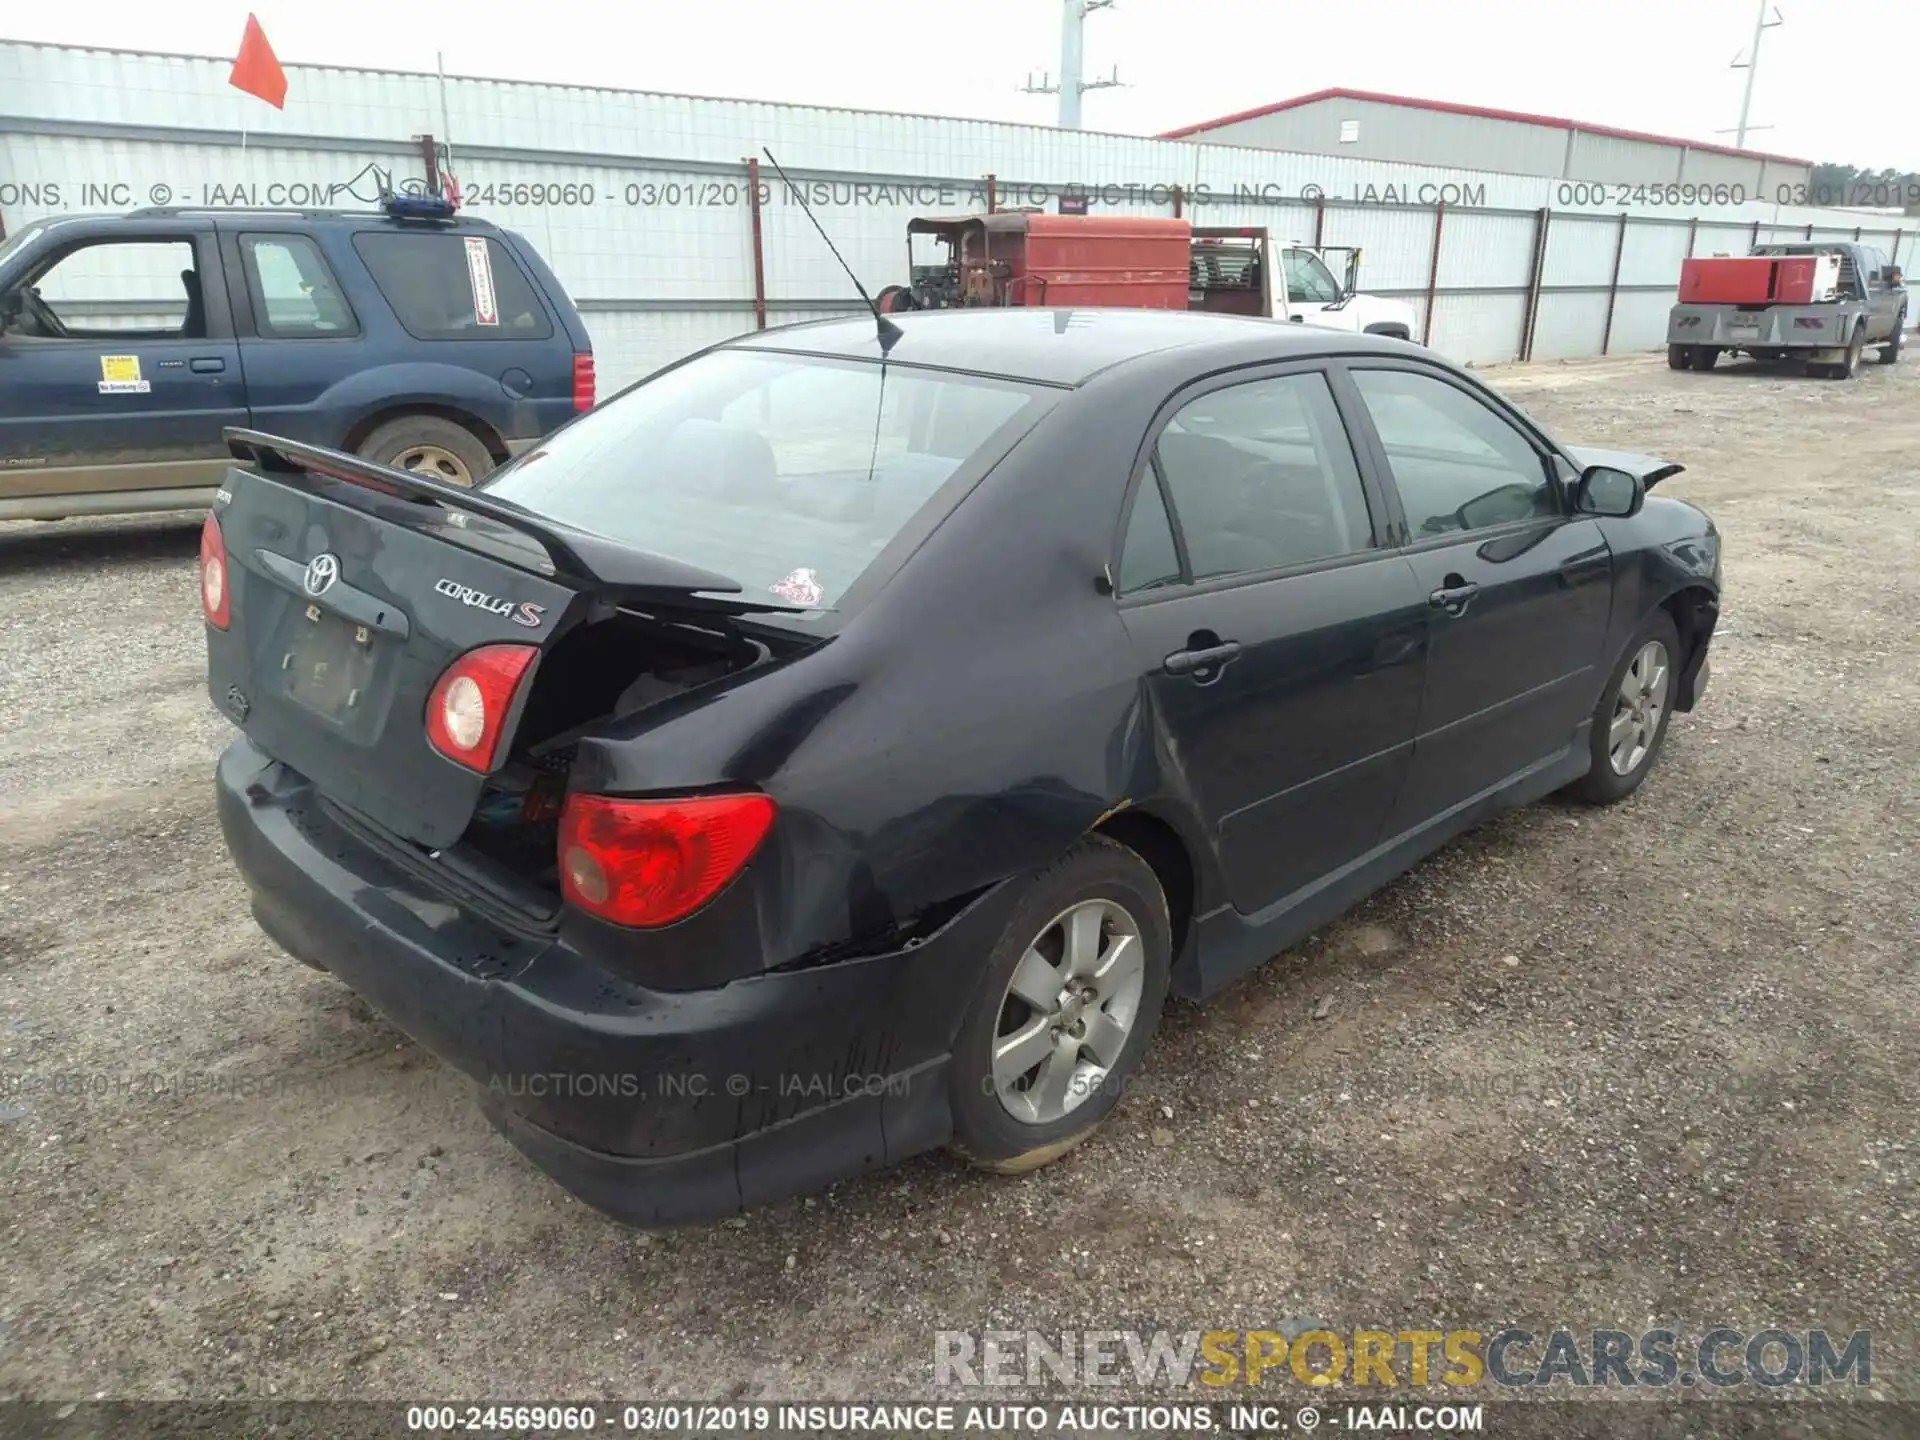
1479 329
1570 325
1580 251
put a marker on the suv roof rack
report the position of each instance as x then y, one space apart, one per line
161 212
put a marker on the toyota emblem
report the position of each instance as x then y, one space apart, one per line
322 571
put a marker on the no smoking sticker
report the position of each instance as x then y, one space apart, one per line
120 375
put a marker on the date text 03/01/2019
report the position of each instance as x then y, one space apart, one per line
938 1417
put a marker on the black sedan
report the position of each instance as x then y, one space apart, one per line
839 744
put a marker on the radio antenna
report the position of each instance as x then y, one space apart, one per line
889 332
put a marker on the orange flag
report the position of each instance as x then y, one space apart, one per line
256 69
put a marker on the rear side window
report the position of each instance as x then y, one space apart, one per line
783 472
453 287
293 289
1149 558
1262 476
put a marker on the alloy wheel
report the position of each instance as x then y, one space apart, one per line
1068 1012
1637 708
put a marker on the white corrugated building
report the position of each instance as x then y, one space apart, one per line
1364 125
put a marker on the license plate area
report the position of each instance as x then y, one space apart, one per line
1747 331
329 664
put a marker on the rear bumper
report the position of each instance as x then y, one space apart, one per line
1776 327
657 1107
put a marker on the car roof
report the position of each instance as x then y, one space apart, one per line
288 214
1057 347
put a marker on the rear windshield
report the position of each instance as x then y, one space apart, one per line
787 473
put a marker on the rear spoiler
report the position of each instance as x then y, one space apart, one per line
616 572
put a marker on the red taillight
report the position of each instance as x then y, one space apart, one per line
583 382
214 594
467 711
651 862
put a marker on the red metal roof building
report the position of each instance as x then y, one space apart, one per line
1365 125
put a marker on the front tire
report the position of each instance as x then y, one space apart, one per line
1630 720
1071 997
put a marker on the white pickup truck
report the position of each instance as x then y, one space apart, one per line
1314 297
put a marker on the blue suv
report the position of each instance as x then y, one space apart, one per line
440 343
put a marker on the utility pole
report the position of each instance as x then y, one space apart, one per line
1073 20
1751 65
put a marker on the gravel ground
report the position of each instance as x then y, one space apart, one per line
1600 1069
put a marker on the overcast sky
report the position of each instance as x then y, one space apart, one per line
1654 65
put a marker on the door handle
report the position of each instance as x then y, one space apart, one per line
1454 596
1187 662
207 365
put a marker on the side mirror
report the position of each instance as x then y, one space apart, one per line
1602 490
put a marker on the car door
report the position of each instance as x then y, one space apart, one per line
300 334
1311 289
120 368
1518 589
1280 642
1884 302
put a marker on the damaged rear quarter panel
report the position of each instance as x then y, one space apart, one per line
969 725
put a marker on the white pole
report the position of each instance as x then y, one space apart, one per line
1760 28
1073 20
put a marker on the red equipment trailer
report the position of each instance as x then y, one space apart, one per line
1028 257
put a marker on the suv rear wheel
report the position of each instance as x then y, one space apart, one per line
1071 996
431 446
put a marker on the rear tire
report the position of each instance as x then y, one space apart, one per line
1856 347
1630 719
1679 357
1705 357
1110 898
430 446
1890 352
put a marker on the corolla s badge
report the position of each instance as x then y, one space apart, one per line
322 571
524 613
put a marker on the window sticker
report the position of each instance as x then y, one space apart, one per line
802 587
486 307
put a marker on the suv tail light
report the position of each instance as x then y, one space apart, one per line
214 595
651 862
467 711
583 382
